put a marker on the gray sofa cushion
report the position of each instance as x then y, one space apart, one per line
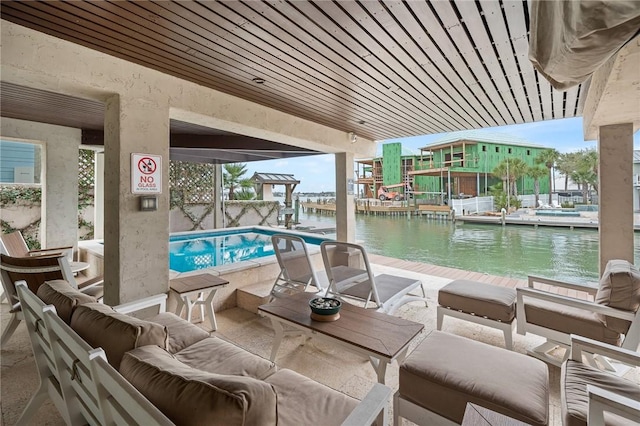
182 334
189 396
100 326
302 401
574 378
65 298
620 289
485 300
217 356
446 371
567 319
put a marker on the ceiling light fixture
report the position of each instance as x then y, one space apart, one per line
258 80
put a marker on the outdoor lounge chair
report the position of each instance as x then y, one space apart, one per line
350 276
296 271
591 396
35 271
613 318
15 246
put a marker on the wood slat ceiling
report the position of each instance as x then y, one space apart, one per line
382 69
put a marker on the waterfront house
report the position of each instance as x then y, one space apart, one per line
458 164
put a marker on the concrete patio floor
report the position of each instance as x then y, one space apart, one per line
333 366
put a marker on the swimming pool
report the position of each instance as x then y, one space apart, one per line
207 249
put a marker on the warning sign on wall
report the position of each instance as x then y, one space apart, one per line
146 174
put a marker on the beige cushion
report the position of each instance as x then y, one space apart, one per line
574 379
100 326
302 401
189 396
446 371
485 300
214 355
182 334
620 289
567 319
65 298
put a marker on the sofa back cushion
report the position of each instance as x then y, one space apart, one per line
619 288
100 326
65 298
189 396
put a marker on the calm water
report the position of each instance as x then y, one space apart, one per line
513 251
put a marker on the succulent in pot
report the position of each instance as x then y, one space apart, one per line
325 305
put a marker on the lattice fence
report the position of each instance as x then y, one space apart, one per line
191 183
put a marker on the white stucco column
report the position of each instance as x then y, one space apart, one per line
59 226
136 249
615 191
218 199
98 196
345 207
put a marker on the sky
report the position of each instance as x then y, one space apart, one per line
317 173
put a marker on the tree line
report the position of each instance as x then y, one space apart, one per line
580 167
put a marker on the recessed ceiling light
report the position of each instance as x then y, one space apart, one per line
258 80
361 122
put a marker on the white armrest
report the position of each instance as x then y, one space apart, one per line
580 344
368 410
601 400
592 289
576 303
159 300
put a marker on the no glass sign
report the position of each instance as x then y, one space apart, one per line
146 174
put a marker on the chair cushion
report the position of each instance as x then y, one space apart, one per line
445 372
190 396
620 289
485 300
65 298
100 326
567 319
574 378
302 401
182 334
214 355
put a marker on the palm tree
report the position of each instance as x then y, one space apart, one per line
517 169
566 165
500 171
548 157
536 173
234 180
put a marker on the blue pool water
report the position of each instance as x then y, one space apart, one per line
191 252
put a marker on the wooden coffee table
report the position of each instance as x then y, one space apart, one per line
380 337
185 287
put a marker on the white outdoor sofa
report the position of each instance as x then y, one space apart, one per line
166 370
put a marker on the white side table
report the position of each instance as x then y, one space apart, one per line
186 287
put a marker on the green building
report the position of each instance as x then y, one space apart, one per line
460 164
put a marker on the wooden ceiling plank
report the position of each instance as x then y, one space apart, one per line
337 53
421 50
497 26
545 95
299 111
452 60
287 85
371 117
325 28
171 70
386 48
514 11
389 63
557 98
466 48
571 101
473 20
